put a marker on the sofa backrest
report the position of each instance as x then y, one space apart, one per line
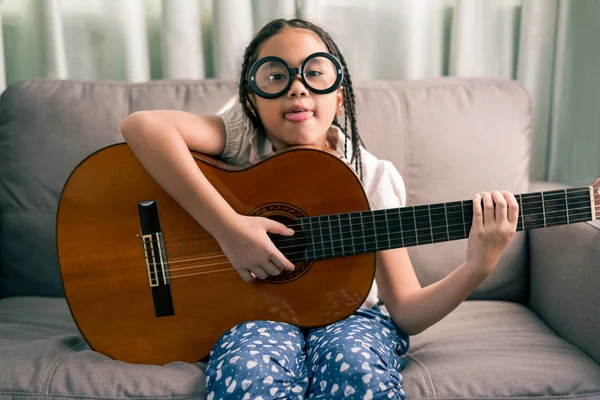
448 137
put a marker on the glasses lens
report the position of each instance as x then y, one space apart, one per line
320 73
272 77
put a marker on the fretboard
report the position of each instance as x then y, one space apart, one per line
339 235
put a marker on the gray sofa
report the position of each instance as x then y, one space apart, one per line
531 330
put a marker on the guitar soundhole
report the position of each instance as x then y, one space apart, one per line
293 247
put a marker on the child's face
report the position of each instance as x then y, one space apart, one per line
293 45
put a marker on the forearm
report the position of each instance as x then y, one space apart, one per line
423 307
165 155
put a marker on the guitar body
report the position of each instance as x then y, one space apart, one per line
107 278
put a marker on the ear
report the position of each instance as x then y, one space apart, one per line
339 101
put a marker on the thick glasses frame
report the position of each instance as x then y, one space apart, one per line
292 72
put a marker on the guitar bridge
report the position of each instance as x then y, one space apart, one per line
155 254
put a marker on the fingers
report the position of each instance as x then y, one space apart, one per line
280 260
246 275
497 208
259 272
501 204
277 257
271 268
513 207
477 212
277 227
263 271
488 208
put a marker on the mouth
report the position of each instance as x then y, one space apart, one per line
298 113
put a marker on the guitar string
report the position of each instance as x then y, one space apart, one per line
174 260
227 262
319 238
291 239
361 220
232 269
560 196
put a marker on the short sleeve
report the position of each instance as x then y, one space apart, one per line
239 135
383 183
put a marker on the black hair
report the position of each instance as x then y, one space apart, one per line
251 55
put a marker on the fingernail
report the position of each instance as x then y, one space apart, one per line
290 230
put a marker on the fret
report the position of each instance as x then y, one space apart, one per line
446 220
455 220
580 205
309 251
430 227
532 210
317 239
521 211
369 231
394 228
554 207
387 229
357 232
439 225
416 226
407 222
467 206
326 236
347 237
382 237
543 208
567 205
336 235
462 210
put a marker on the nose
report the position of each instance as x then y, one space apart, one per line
297 89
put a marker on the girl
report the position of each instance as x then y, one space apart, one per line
294 84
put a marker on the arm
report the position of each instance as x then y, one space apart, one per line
414 308
161 140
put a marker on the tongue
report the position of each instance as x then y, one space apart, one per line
298 116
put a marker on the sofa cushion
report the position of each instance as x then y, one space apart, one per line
497 350
484 349
435 131
43 354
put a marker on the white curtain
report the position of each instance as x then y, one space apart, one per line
550 46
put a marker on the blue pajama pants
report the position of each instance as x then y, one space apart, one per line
356 358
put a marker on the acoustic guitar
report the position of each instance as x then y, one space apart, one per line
145 282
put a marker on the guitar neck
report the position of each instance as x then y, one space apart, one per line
338 235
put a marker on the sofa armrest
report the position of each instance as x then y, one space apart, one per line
565 277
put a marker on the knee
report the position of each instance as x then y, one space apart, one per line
349 368
257 359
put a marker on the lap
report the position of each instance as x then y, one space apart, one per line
352 358
360 355
258 358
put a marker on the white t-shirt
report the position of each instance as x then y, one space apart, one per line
381 180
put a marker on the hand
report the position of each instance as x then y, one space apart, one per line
250 250
491 230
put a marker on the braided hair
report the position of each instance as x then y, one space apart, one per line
250 57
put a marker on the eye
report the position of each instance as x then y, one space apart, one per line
276 77
314 73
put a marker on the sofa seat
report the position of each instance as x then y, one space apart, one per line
463 356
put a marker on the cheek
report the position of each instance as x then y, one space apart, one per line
266 112
328 106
